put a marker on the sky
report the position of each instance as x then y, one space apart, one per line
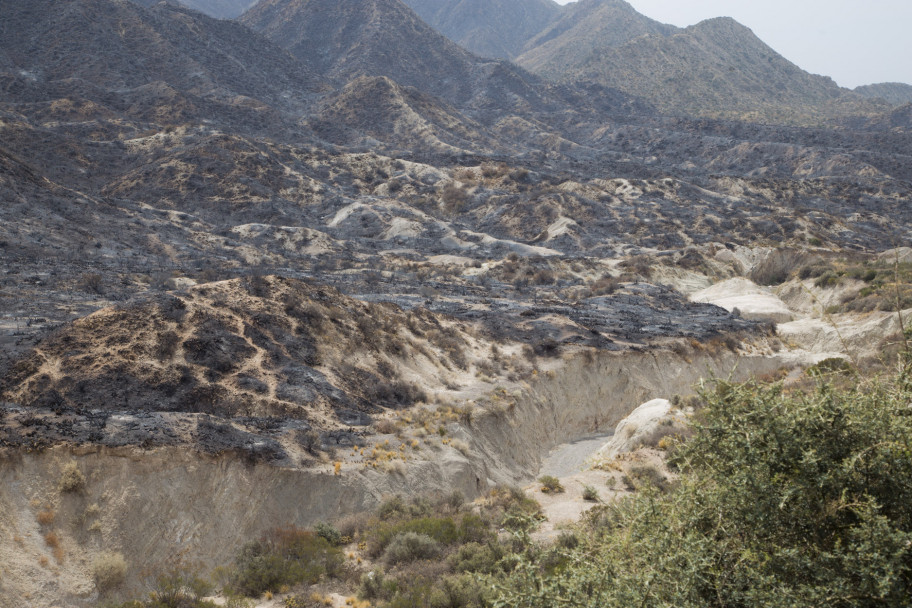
854 42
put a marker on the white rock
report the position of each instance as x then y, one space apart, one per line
755 303
645 426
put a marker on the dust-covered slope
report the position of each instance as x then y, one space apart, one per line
491 28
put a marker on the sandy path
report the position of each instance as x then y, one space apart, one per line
570 458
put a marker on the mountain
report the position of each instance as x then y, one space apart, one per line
583 28
346 39
377 108
490 28
111 50
716 67
220 9
896 93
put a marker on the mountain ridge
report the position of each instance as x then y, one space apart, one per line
896 93
718 67
490 28
582 28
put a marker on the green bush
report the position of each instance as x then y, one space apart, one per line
475 557
832 365
473 529
441 529
409 547
376 586
828 279
284 556
797 500
457 592
550 484
395 507
590 494
329 533
179 587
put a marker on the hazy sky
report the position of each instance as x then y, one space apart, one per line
852 41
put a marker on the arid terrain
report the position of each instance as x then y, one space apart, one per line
271 266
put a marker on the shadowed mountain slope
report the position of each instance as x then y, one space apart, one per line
346 39
58 48
220 9
491 28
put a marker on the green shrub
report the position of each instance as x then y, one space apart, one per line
828 279
590 494
473 529
409 547
329 533
395 507
644 476
457 592
475 557
832 365
179 587
785 500
441 529
550 484
376 586
284 556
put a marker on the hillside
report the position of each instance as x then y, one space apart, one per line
101 46
896 93
490 28
582 29
347 39
378 109
220 9
280 348
718 67
262 280
344 39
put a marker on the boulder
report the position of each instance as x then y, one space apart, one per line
644 427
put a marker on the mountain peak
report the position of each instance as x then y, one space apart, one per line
585 27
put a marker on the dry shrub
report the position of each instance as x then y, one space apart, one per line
462 446
354 525
108 570
71 479
53 541
385 427
454 198
45 517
